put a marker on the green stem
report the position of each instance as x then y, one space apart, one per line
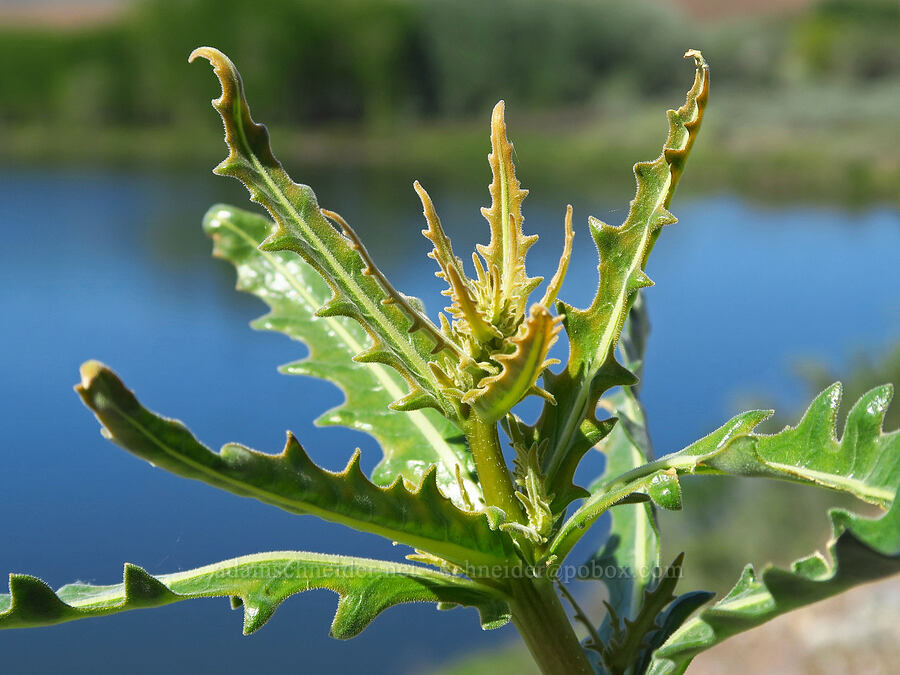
491 467
541 620
533 602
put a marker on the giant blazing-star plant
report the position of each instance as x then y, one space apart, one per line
434 395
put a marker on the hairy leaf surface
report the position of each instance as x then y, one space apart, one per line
865 462
509 245
412 441
520 369
401 336
422 518
259 583
571 427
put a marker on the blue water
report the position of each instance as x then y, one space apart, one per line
114 266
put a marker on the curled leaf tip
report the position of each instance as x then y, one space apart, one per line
221 64
696 55
89 371
208 53
225 70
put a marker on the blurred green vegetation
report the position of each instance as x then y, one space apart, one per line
803 103
338 60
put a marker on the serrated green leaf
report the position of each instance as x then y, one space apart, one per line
411 441
865 462
259 583
402 337
556 281
571 426
861 550
422 518
469 318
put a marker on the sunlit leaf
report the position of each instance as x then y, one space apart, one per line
865 462
508 245
259 583
520 369
571 426
422 518
411 441
401 336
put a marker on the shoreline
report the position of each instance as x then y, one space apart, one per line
774 168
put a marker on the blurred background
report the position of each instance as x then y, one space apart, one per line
781 277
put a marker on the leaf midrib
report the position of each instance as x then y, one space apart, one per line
425 427
853 485
360 296
578 411
174 580
294 506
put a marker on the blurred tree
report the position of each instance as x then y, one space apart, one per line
317 60
854 39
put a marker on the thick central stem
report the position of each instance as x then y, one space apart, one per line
493 475
533 602
545 628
